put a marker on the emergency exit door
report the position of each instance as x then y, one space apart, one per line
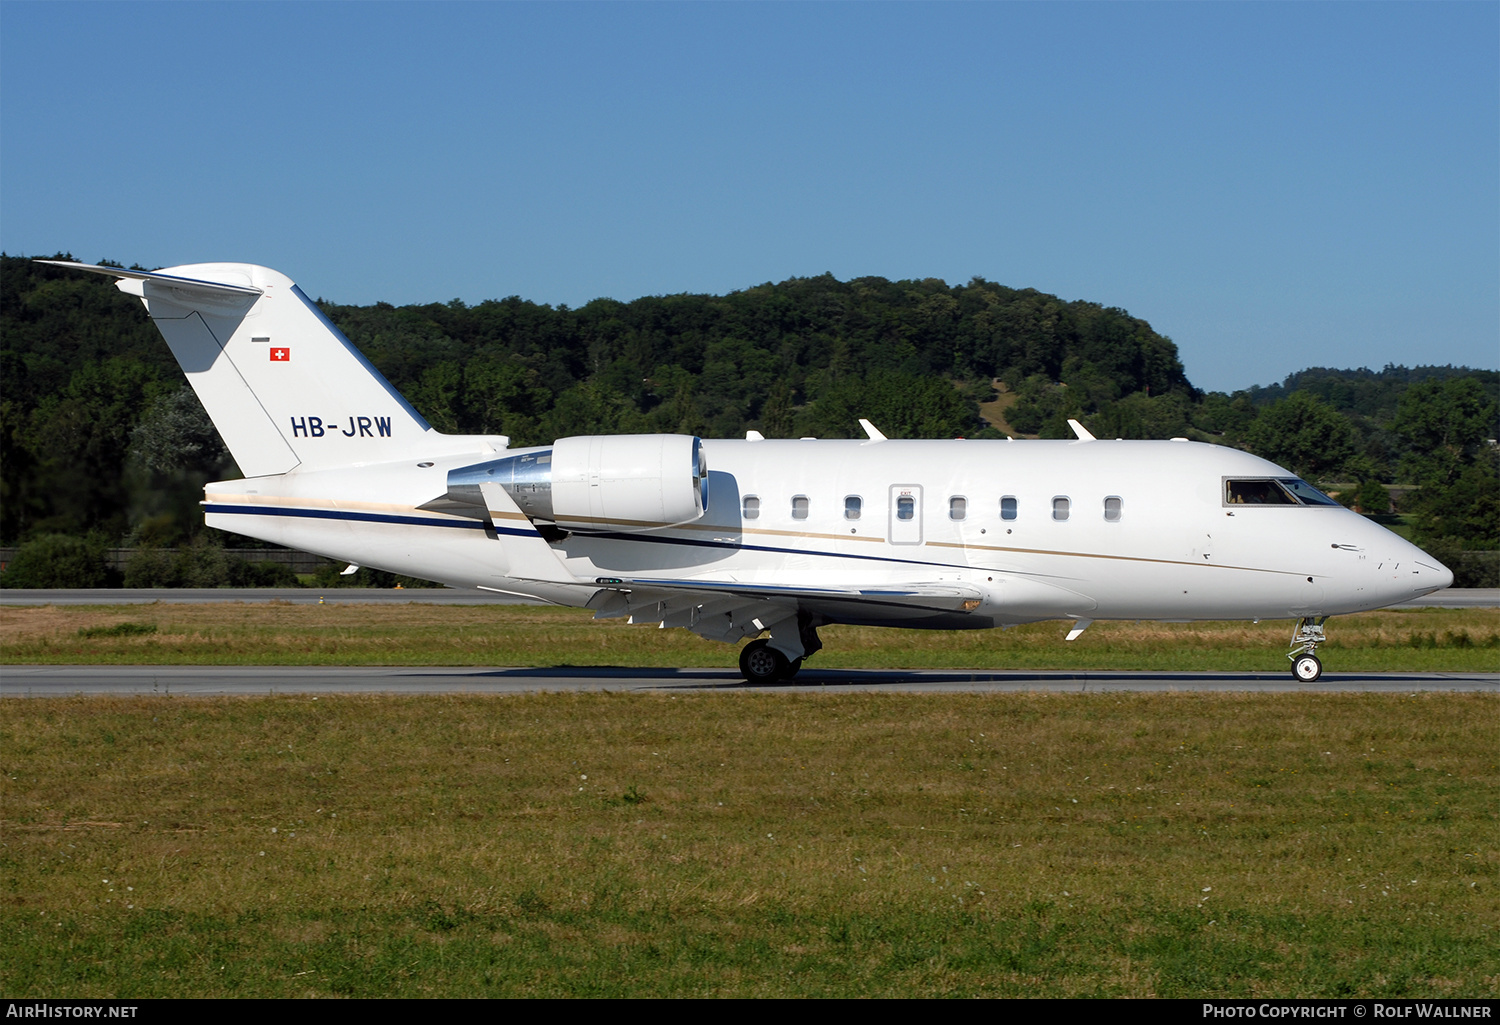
906 514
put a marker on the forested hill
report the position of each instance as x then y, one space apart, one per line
99 433
1365 392
794 357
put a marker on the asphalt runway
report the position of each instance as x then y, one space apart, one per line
261 595
60 681
1451 598
217 681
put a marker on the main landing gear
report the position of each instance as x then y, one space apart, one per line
1306 668
761 663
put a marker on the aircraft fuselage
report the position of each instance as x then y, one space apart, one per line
1040 529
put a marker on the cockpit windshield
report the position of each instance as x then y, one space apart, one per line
1305 492
1273 491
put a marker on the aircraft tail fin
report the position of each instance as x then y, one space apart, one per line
283 386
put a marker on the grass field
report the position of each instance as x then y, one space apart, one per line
740 844
747 844
498 635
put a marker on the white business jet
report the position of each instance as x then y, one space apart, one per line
735 539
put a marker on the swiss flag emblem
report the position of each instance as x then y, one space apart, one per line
281 355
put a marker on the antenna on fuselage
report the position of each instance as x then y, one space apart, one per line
1081 431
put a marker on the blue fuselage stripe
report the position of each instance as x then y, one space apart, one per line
423 521
692 542
342 514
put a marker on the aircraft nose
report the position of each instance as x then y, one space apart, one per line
1402 572
1443 577
1427 574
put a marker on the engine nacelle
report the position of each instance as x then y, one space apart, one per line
628 482
625 482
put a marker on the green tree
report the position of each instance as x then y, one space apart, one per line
1446 423
174 433
1303 434
1043 407
58 560
83 437
900 404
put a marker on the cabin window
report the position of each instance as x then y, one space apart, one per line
751 508
799 507
906 507
852 506
958 507
1112 507
1008 507
1060 506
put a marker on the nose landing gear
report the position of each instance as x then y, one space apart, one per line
1308 634
1307 668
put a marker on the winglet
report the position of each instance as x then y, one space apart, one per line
1081 431
871 430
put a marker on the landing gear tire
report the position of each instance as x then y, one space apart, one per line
761 663
1307 669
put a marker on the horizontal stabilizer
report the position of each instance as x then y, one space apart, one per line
171 280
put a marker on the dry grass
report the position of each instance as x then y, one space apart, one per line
748 844
416 634
993 412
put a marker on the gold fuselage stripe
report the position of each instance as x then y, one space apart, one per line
323 503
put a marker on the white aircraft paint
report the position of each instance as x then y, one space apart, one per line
732 538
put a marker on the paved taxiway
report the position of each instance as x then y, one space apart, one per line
205 681
1451 598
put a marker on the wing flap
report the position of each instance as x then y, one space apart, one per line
731 610
937 596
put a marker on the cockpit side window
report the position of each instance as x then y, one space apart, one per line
1273 491
1256 492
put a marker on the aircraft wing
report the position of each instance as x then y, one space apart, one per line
729 610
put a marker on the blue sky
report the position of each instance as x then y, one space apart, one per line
1274 186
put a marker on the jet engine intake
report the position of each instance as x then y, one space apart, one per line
629 482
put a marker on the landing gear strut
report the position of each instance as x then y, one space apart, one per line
1306 668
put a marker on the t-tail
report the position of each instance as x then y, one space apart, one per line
284 387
